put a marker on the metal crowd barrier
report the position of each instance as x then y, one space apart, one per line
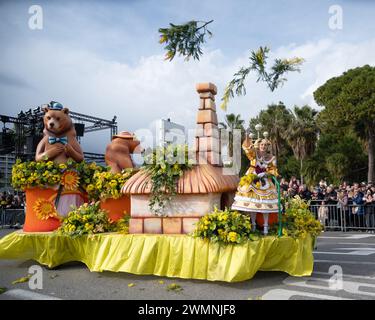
12 217
345 218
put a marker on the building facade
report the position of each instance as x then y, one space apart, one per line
6 164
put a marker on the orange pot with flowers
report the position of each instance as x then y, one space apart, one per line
41 214
107 187
50 190
45 207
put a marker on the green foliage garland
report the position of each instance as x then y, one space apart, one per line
166 165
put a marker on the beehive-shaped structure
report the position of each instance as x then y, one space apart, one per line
199 190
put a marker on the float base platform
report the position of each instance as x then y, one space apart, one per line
180 256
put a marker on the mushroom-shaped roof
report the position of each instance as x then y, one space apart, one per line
203 178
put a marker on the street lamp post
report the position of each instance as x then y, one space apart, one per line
258 127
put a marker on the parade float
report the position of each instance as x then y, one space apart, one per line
183 219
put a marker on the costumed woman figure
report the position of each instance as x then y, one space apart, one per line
256 192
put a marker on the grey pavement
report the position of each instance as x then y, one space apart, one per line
352 253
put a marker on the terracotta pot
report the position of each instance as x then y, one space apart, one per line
116 208
32 223
272 219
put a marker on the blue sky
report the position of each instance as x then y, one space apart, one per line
104 58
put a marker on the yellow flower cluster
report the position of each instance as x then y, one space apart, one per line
163 38
63 166
43 174
232 236
108 185
34 174
224 227
90 219
246 180
121 226
299 221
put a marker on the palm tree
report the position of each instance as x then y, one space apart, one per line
232 122
275 119
301 133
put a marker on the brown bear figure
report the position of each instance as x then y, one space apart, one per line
59 142
117 154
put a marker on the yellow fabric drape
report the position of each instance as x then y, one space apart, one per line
179 256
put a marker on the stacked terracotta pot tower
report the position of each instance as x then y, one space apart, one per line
207 140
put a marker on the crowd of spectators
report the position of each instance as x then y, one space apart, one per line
11 209
12 201
355 201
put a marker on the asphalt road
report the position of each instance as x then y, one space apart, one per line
351 253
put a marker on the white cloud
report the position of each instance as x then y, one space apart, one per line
336 59
325 59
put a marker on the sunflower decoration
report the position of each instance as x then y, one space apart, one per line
70 180
45 209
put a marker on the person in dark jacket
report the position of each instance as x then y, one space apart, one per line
304 193
330 200
284 185
358 208
369 210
